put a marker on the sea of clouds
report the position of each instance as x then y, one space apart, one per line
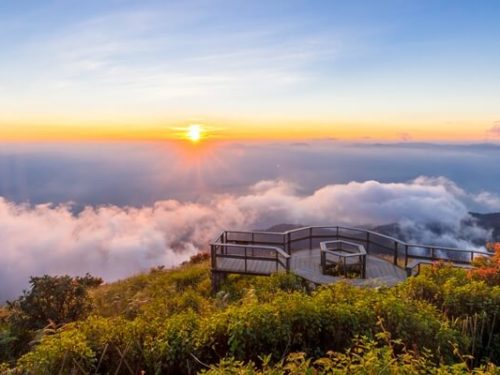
116 241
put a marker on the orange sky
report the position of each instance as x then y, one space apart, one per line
259 130
418 71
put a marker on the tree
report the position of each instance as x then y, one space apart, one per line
52 300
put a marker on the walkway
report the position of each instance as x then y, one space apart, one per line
298 251
306 263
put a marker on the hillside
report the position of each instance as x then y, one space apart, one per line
167 322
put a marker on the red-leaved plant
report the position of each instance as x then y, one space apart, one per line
488 267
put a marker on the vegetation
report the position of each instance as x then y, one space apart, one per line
50 303
444 321
351 271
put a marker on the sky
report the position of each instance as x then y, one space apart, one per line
132 132
142 173
128 70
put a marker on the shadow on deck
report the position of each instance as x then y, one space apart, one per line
306 263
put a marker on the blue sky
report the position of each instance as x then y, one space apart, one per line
427 69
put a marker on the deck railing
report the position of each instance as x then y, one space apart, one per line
343 251
399 252
248 258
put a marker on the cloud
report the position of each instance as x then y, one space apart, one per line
488 199
114 242
169 53
494 131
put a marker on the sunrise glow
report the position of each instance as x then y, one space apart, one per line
357 74
194 133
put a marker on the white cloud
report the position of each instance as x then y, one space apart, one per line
488 199
114 242
145 61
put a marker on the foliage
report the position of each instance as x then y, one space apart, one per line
158 292
472 306
352 271
488 268
364 357
168 322
52 300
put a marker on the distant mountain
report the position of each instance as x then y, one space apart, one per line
489 221
440 146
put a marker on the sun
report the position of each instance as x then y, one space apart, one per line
194 133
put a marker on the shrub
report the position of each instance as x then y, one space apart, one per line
471 306
488 268
364 357
52 300
168 322
69 351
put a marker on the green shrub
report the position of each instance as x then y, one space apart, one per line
167 322
364 357
58 354
52 300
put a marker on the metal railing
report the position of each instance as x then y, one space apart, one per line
399 252
245 256
414 267
343 251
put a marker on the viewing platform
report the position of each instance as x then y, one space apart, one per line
327 254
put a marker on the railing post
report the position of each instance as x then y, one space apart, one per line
406 255
245 259
288 241
363 265
288 264
310 238
367 242
277 260
432 253
395 253
224 240
409 272
213 256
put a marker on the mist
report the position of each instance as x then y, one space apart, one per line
140 174
114 241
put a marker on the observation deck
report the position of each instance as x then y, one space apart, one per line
327 254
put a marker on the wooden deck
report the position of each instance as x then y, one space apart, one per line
306 263
388 259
